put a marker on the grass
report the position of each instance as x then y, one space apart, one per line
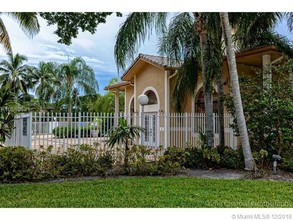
149 192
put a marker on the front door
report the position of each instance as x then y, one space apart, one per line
150 122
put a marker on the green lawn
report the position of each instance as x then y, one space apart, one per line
149 192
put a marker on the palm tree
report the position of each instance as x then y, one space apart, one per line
249 161
28 22
13 74
122 133
133 32
8 103
43 80
75 76
181 45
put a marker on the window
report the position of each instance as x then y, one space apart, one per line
152 97
199 102
24 126
200 108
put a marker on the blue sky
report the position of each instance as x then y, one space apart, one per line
97 50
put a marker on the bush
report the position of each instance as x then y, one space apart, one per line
178 155
72 132
17 164
148 162
231 158
83 162
269 111
195 158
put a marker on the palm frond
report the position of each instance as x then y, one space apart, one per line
27 21
133 32
252 24
185 82
4 37
180 41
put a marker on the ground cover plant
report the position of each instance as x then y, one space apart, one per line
149 192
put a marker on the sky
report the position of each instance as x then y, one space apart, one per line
97 50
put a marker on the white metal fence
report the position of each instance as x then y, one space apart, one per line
62 130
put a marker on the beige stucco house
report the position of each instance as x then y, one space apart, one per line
154 77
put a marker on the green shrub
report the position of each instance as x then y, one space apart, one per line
261 158
17 164
148 162
84 161
47 164
72 132
287 164
175 154
231 158
195 158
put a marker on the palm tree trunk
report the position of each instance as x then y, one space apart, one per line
200 27
248 159
221 109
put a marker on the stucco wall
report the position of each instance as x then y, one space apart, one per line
151 76
242 70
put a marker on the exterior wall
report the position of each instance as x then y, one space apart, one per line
242 70
151 76
129 92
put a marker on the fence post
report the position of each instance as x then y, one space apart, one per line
30 129
165 115
78 125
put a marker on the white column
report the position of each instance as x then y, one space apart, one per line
267 71
167 109
136 122
135 93
116 107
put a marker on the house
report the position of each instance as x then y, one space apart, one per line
155 77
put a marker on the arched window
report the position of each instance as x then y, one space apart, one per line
152 97
199 102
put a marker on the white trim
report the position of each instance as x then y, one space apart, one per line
167 85
129 105
167 108
195 95
157 95
134 92
199 86
150 108
125 98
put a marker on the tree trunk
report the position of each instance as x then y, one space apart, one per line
200 27
248 159
221 109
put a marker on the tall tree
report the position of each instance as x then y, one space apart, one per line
135 29
69 23
27 21
13 72
181 45
248 159
207 75
76 76
43 80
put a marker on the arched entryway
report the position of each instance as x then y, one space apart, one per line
199 106
151 110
